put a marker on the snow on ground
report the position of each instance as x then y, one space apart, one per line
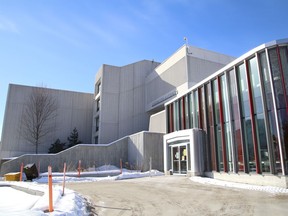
17 202
269 189
13 201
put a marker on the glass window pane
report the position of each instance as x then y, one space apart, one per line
225 99
227 122
201 103
216 103
266 80
283 119
275 143
284 62
210 130
209 104
249 144
219 150
176 116
259 118
271 115
228 139
255 85
191 108
263 147
203 110
275 69
212 146
243 91
181 114
236 123
172 117
196 109
187 111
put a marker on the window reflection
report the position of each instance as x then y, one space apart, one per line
246 119
236 122
217 126
227 122
259 116
264 70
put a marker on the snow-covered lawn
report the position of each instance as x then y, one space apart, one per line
17 202
14 201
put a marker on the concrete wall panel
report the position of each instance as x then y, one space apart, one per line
109 108
108 132
74 109
111 79
127 78
135 149
126 105
139 100
157 122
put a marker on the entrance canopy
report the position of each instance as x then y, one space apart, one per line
184 152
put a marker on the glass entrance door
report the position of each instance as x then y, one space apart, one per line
179 159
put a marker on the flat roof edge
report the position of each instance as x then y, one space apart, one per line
231 64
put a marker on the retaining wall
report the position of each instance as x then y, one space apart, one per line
134 150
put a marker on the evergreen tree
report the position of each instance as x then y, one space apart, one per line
73 138
57 146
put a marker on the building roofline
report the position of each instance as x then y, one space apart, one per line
53 89
232 64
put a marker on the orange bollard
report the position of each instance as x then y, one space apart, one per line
50 189
79 168
64 175
21 172
120 166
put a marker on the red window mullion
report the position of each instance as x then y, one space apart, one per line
224 153
253 124
171 117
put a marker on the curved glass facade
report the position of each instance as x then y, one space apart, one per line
244 111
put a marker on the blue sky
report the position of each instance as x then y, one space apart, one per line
62 43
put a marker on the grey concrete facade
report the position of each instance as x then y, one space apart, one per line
157 122
182 70
119 105
74 109
126 97
136 150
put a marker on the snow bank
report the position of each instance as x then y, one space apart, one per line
17 202
269 189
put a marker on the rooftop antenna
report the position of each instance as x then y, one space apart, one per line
187 46
186 41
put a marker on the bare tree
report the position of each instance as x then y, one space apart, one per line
39 110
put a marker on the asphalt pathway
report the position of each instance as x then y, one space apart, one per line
176 195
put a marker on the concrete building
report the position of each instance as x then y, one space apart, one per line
74 109
119 105
126 98
222 117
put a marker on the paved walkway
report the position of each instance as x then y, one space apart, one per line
177 195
